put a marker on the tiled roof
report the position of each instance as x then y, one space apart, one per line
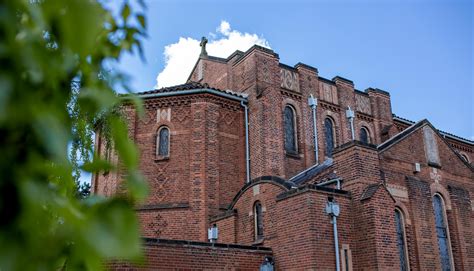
396 138
190 86
310 172
369 191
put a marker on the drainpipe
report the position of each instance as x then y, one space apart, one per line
350 116
313 103
332 209
247 150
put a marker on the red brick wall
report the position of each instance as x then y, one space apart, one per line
295 226
245 223
174 223
212 71
382 113
462 147
357 165
380 211
205 168
166 255
453 179
227 228
305 236
257 73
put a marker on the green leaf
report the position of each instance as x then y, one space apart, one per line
137 185
97 165
112 230
54 94
141 19
125 13
123 145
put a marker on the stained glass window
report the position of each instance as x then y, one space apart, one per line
364 135
163 141
442 232
329 135
258 221
400 226
290 129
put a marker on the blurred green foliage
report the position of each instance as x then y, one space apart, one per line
55 90
83 190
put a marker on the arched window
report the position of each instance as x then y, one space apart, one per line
290 129
258 218
442 232
401 240
329 135
364 135
163 142
465 157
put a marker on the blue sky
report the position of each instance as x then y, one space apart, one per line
419 51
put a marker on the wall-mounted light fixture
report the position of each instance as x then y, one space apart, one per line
268 264
350 115
213 233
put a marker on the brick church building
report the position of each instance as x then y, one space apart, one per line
295 171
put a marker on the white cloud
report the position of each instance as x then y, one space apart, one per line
224 28
181 56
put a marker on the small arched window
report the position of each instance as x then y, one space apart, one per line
163 142
364 135
329 136
442 232
465 157
401 239
258 218
290 129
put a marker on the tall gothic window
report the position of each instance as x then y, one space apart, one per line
364 135
442 232
290 129
163 142
329 135
258 217
401 241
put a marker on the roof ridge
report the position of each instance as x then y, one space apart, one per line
453 136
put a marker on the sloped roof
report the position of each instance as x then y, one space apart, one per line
398 137
310 172
443 133
371 189
286 185
188 87
408 131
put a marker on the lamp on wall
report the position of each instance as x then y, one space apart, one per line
350 115
267 264
212 233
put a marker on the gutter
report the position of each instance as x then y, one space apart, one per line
337 181
227 95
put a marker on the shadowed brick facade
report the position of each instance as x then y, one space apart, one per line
202 181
